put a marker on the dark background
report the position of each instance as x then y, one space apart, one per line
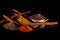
23 5
36 6
6 7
